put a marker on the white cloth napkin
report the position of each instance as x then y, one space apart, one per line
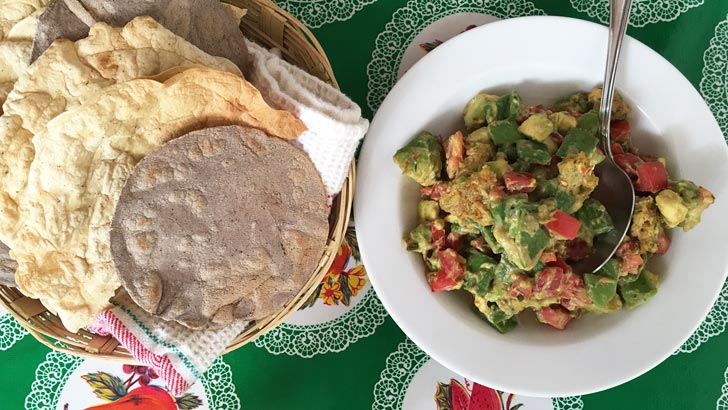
335 128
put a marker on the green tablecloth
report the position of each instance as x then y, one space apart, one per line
343 351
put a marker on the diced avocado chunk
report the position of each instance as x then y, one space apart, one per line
620 109
578 102
575 141
479 274
499 167
594 218
563 121
596 157
504 132
428 210
531 152
601 289
589 122
641 290
537 127
480 135
672 208
421 159
420 239
481 110
509 105
550 145
696 198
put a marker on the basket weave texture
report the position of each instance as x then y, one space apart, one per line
272 27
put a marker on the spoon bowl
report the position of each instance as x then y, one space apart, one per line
615 189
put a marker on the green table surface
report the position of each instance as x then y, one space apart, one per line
344 352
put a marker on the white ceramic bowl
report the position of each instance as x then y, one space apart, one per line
543 58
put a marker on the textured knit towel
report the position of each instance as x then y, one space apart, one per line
335 127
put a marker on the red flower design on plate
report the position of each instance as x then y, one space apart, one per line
455 396
119 394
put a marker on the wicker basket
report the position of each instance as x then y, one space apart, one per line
270 26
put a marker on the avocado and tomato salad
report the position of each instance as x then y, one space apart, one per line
505 209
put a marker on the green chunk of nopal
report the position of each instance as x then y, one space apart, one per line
641 290
601 289
509 105
479 274
532 152
504 132
589 122
577 140
421 159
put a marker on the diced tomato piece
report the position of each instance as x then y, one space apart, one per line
521 286
438 237
574 113
553 281
616 148
563 225
575 291
627 247
663 242
519 182
455 240
556 316
526 112
557 138
549 281
632 263
442 282
433 191
547 257
651 177
706 196
451 271
455 150
619 130
498 192
628 162
560 263
577 250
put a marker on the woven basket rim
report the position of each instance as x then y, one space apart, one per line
269 25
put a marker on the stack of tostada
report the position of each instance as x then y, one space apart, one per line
133 161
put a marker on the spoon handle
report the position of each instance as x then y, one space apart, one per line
618 18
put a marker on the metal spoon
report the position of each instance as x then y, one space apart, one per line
615 188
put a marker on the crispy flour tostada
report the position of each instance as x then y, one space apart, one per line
221 224
207 24
81 163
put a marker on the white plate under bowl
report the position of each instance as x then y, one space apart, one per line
543 58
